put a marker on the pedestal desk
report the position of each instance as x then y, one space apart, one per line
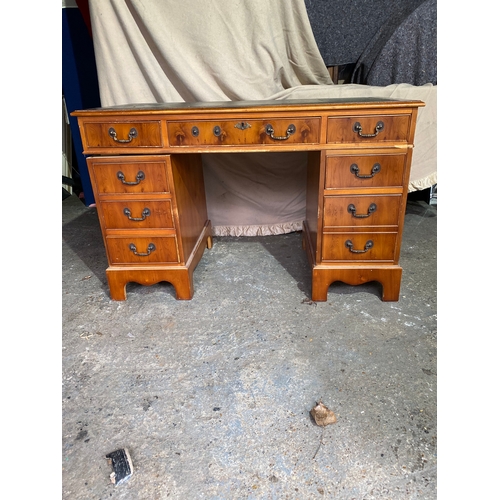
145 167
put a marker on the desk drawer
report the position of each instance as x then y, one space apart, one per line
122 135
142 249
370 129
118 175
242 133
365 171
137 214
359 246
370 210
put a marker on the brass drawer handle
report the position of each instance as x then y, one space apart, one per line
145 213
378 128
131 135
289 131
349 244
355 171
352 210
138 178
133 248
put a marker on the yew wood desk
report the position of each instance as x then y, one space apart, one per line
145 167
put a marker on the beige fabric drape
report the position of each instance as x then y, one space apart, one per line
203 50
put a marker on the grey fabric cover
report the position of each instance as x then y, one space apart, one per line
343 29
404 50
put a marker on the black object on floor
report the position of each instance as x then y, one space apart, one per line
122 466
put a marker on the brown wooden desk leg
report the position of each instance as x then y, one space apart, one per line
180 278
117 285
391 284
389 277
320 283
183 284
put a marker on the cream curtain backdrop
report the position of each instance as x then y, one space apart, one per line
226 50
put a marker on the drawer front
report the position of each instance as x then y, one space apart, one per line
365 171
142 250
361 211
137 214
122 135
241 133
369 129
133 175
359 246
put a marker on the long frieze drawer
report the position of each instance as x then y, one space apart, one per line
365 171
245 132
361 211
359 247
137 214
146 134
142 250
368 129
130 175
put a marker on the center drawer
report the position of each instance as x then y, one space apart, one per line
244 132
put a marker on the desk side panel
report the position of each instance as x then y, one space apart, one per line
190 200
312 197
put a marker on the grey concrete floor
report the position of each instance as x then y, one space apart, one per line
212 396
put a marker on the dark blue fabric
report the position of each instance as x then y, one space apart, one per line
79 83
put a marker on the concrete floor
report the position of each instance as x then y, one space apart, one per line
212 396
